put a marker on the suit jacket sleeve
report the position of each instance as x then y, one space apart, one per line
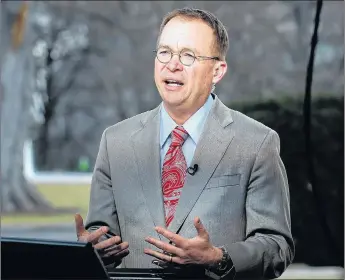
102 208
268 248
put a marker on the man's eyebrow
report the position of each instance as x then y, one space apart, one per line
184 48
163 46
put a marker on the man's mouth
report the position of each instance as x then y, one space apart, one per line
172 82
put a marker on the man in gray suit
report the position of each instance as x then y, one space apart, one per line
229 211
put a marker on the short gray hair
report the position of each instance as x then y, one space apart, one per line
219 30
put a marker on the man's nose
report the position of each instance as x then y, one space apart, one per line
175 63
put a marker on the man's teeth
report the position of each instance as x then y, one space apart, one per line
173 83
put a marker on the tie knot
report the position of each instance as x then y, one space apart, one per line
178 136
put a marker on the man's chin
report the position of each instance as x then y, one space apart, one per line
173 102
172 97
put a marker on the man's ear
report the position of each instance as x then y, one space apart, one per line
219 71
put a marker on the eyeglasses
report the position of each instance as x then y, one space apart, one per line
187 57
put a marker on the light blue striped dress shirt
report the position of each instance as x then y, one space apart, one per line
194 126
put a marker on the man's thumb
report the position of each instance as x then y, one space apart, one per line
79 224
200 228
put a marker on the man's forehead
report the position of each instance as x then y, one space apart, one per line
170 35
180 33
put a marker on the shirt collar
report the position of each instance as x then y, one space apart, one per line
193 125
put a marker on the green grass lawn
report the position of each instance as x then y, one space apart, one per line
59 196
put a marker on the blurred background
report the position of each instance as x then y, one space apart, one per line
69 69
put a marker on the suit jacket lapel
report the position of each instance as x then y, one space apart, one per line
147 151
210 149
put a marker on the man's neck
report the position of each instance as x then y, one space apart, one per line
180 115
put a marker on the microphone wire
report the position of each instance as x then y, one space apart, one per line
321 211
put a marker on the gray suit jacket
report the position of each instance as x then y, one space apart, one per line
240 190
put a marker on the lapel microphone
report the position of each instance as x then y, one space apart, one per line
192 170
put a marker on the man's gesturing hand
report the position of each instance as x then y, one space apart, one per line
106 246
197 250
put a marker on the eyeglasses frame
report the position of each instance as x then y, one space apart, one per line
196 57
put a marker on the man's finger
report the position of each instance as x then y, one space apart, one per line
202 232
164 246
117 254
108 242
158 255
95 235
79 224
173 237
117 249
163 257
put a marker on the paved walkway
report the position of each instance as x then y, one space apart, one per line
55 231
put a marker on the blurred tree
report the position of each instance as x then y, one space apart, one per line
104 87
17 195
59 52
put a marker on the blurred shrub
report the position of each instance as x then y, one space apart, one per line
285 116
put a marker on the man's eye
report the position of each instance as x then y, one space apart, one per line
188 55
163 52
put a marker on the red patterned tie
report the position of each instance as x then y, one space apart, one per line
173 173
